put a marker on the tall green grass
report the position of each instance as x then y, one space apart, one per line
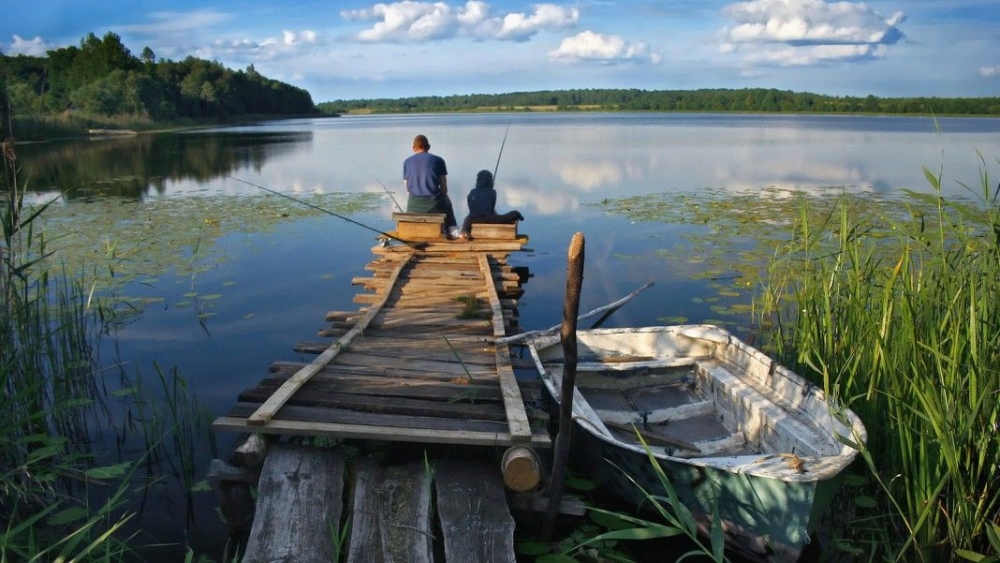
899 317
61 499
48 395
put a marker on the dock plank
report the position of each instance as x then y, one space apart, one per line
391 518
476 524
299 502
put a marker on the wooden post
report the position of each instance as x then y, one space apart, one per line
571 308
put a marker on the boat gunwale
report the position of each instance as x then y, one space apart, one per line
772 465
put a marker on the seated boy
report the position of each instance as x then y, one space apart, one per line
482 202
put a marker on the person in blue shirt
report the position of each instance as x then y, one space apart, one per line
425 177
482 202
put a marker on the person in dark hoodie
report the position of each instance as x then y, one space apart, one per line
482 202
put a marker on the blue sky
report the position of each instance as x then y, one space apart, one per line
358 49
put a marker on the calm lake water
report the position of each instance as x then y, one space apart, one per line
225 278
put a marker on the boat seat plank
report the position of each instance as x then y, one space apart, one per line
657 416
768 422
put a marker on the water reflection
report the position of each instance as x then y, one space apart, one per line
144 165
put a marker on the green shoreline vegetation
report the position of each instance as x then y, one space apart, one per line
721 100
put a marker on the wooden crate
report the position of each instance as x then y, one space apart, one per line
493 231
419 225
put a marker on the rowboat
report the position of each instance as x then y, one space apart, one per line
731 429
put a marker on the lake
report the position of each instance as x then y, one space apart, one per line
222 278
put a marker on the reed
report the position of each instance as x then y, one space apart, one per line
60 500
898 317
47 404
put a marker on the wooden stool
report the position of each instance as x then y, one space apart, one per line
419 225
497 231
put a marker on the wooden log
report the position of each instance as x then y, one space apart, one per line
232 488
390 510
476 524
571 309
521 468
299 506
252 452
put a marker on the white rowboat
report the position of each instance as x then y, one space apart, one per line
729 426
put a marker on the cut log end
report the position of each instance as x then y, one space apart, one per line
522 471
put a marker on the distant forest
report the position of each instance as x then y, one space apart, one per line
708 100
102 80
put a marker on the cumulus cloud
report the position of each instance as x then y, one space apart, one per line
268 48
418 21
804 32
989 71
597 47
36 47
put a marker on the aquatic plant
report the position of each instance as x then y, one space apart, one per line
898 317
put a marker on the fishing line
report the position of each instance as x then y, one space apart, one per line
415 245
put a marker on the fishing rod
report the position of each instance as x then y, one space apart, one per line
392 197
504 142
411 244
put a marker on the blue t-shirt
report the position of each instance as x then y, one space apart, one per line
423 172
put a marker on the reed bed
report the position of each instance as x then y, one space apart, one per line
61 497
897 316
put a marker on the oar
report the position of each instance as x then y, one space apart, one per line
411 244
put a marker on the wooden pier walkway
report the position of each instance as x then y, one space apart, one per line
417 363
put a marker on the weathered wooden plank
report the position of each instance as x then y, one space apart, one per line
402 366
299 504
476 524
503 231
448 246
382 401
517 418
369 429
391 515
267 410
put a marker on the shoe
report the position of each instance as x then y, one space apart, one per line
454 233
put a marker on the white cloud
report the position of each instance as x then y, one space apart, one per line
989 71
35 47
269 48
178 23
546 16
419 21
590 46
804 32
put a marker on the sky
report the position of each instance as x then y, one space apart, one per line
362 50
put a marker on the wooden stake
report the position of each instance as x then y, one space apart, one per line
571 308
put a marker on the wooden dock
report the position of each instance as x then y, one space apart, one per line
418 363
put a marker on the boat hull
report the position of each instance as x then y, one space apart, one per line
787 445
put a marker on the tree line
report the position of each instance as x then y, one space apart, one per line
704 100
102 79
